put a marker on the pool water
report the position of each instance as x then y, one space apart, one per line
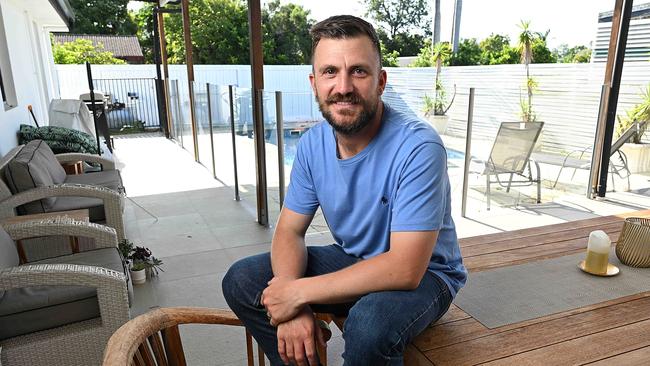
291 145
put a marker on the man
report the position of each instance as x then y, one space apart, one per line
380 178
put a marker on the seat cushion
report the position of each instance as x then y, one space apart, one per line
95 207
28 310
107 178
34 166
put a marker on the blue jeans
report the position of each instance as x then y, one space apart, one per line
379 325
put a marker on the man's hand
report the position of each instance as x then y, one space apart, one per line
297 339
281 300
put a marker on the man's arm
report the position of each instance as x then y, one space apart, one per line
288 252
401 268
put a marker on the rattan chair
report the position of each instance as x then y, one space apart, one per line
112 200
153 338
73 342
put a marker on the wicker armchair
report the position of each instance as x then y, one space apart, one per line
153 338
112 198
76 343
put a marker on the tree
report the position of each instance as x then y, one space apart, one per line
82 50
406 44
286 34
496 50
541 53
388 58
220 33
144 20
525 46
575 54
469 53
102 17
398 16
424 57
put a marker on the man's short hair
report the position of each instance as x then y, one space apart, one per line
341 27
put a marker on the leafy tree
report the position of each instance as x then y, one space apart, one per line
102 17
469 53
575 54
388 59
405 44
144 20
496 50
399 16
541 53
286 34
82 50
220 33
424 57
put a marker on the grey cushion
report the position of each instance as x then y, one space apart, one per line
28 310
51 162
8 253
95 206
108 178
28 170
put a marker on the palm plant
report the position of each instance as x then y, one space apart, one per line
526 40
639 113
440 53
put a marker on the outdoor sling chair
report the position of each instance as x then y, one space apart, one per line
510 158
617 158
154 339
60 310
33 181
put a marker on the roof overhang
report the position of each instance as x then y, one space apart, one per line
64 9
51 14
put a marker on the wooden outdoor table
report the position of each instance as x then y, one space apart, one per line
615 332
78 215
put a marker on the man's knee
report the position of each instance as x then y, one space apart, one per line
243 276
371 335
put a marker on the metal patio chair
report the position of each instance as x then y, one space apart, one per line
510 156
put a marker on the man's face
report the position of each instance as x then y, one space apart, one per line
348 82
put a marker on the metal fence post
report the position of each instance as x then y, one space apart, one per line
232 134
280 132
468 151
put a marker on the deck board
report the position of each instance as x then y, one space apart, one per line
613 332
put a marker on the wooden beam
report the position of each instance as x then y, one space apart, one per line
257 83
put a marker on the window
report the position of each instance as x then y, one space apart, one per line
7 86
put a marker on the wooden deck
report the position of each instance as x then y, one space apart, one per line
615 332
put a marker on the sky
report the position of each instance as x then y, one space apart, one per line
571 21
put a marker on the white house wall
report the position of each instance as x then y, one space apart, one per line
31 64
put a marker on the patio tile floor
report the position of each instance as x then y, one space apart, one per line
199 231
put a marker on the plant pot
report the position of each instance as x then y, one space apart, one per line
439 123
138 277
638 157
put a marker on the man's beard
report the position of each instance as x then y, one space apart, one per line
368 112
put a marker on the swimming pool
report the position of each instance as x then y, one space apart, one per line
291 145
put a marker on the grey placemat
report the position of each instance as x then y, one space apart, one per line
512 294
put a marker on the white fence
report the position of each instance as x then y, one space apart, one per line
567 98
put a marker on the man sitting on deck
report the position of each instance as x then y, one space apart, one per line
380 178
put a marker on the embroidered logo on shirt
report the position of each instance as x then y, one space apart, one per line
384 201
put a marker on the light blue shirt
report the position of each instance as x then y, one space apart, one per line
399 182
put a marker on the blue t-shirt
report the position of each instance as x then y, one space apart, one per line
399 182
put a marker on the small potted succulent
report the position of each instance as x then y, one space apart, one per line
140 261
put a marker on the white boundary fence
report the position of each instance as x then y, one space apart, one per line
567 98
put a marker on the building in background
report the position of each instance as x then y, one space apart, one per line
638 38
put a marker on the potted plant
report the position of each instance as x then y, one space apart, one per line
638 153
435 109
140 261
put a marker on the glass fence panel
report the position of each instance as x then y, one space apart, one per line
526 154
273 155
202 116
175 111
245 144
222 135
